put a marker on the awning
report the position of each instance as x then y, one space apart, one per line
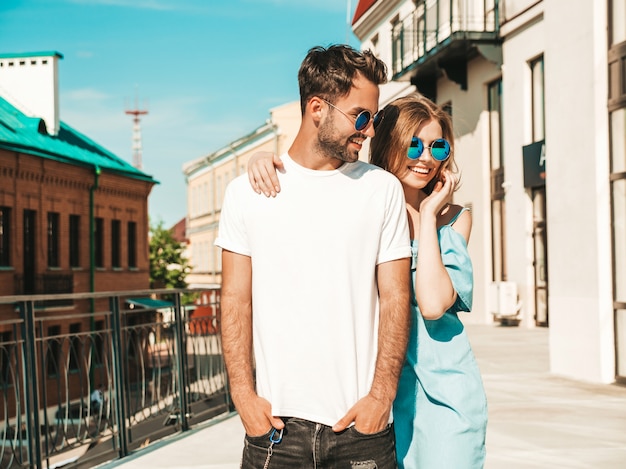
150 303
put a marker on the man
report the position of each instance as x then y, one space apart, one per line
315 284
97 399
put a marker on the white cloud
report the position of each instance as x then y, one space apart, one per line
324 5
84 94
136 4
84 54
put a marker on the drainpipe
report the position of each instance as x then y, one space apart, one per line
92 241
92 258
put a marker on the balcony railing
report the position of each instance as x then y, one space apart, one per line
158 363
437 23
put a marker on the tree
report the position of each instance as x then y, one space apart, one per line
168 266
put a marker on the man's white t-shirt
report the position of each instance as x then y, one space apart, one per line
314 249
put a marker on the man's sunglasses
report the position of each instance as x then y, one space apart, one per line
362 120
439 149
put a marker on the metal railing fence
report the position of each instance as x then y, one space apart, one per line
111 373
434 22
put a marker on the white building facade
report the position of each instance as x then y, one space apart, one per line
537 94
207 178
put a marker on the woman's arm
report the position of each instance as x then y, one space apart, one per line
262 168
434 291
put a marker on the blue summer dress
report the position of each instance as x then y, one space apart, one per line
440 411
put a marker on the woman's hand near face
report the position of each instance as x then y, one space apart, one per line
262 168
441 194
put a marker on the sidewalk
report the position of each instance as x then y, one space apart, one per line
536 420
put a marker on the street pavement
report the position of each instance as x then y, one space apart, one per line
536 419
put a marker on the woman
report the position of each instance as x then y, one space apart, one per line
440 410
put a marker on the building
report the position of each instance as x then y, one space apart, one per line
73 216
56 187
179 231
538 101
207 178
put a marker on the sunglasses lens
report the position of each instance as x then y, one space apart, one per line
415 149
440 149
378 117
362 120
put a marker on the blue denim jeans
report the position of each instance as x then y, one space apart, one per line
306 444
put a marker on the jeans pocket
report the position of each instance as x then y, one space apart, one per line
357 434
261 441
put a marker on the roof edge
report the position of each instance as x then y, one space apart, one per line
27 150
50 53
362 7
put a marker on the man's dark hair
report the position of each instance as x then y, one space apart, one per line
330 72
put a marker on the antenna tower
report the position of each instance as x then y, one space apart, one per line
137 149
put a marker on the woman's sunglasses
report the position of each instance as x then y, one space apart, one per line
362 120
439 149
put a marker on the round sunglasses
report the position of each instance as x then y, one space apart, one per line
439 149
362 119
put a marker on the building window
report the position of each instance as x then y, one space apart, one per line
53 239
75 347
5 236
192 209
210 198
116 238
213 256
397 47
74 240
498 248
374 47
99 242
617 12
218 193
132 244
538 100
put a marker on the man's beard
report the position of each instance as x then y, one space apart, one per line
330 147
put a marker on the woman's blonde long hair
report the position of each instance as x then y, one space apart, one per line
403 118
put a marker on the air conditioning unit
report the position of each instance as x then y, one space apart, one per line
503 299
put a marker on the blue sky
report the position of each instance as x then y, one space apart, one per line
207 71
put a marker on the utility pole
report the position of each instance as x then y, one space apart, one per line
136 147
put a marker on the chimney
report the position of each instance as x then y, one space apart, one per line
30 82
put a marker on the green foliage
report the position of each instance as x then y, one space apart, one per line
168 267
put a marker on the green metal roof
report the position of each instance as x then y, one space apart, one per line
47 53
27 135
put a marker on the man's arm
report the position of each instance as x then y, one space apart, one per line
394 287
371 414
236 315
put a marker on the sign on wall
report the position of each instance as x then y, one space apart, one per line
534 156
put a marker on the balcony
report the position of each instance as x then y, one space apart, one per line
441 37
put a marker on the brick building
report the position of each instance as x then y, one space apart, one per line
56 187
73 219
73 216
